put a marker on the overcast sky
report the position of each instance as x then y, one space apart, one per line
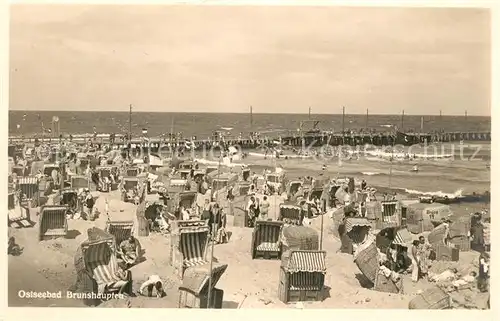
224 59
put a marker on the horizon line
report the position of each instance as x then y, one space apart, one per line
254 113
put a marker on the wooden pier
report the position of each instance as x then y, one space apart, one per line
297 140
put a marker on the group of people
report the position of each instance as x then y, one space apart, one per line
81 205
216 219
257 210
420 253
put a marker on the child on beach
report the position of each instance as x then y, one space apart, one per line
153 282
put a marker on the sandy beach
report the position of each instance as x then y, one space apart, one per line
48 266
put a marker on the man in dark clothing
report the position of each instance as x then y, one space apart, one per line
484 272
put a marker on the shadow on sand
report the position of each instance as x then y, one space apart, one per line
364 281
73 234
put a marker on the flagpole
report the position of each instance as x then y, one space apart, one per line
129 130
209 295
321 235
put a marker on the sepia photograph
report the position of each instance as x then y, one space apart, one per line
249 157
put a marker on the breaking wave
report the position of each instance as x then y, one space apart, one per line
370 173
456 194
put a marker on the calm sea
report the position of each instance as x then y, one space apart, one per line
203 124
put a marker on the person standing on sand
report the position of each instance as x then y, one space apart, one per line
423 254
221 235
89 204
205 212
484 272
251 211
414 261
264 209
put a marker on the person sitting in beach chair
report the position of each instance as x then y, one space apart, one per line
13 248
153 282
120 286
129 251
185 214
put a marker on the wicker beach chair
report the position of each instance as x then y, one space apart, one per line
302 276
121 230
18 216
53 222
290 214
99 261
193 293
189 245
266 239
29 190
132 172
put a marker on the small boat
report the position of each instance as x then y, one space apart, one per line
414 169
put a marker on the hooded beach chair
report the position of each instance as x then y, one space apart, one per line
193 293
293 188
315 192
290 214
266 239
187 199
48 168
390 215
69 197
99 260
18 216
121 230
131 172
189 245
79 181
128 184
354 231
29 190
302 276
243 189
53 222
20 171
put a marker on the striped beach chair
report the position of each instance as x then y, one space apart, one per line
357 229
104 171
121 230
48 168
292 189
101 263
53 222
302 276
80 181
131 172
188 199
189 245
195 287
18 216
390 215
290 214
29 190
20 171
266 239
403 237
